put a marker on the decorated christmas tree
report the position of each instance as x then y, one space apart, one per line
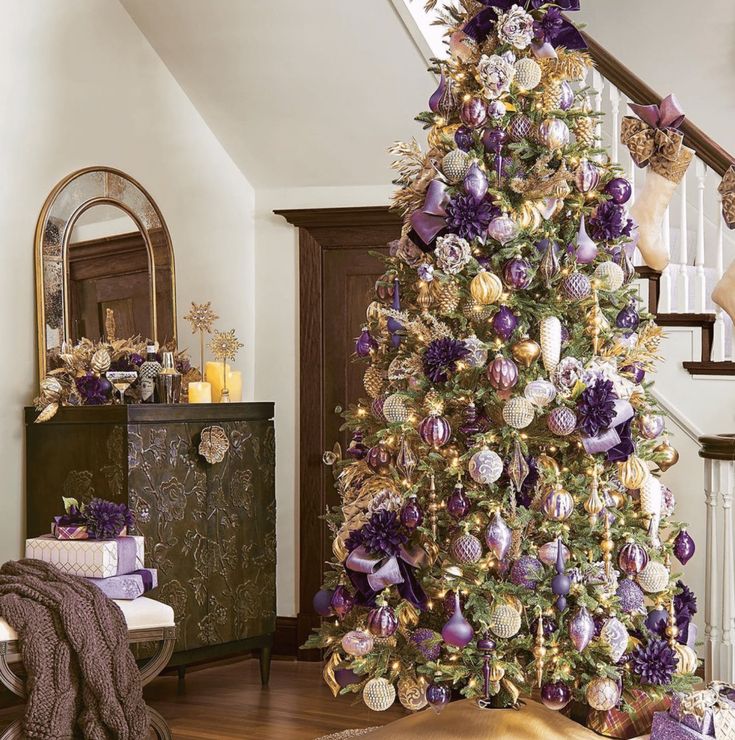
503 530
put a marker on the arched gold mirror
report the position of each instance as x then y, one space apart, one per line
102 243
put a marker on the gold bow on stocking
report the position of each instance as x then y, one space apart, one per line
727 191
661 149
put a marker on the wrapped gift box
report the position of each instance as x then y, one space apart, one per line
69 532
665 727
89 558
129 586
616 723
704 725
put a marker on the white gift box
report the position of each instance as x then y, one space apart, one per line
89 558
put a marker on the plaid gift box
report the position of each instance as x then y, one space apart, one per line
624 725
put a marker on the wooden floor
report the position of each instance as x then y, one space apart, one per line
226 701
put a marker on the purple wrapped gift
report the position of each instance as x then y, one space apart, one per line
703 724
665 727
130 586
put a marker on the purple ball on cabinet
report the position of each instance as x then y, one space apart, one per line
463 138
684 547
566 99
427 642
527 571
322 602
438 695
504 323
555 695
628 318
458 505
494 140
619 190
473 112
517 273
342 602
411 514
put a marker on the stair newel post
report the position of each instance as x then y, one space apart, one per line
719 352
711 629
664 286
700 287
727 651
682 286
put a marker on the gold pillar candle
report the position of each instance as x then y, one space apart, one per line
200 392
234 385
215 376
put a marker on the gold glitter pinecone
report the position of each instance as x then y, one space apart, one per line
551 96
446 295
373 381
475 311
584 130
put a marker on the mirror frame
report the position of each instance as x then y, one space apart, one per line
69 199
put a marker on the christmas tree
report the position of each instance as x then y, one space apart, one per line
502 528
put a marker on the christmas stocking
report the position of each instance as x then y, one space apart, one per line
662 177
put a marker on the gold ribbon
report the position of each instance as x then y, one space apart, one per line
647 144
328 672
727 191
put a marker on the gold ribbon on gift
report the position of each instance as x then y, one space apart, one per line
727 191
660 149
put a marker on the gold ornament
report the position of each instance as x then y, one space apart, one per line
424 298
539 651
379 694
666 456
446 295
339 549
551 96
433 402
475 312
548 465
518 412
686 659
528 73
110 326
486 288
412 693
330 666
505 621
51 390
496 675
584 130
374 312
528 217
594 505
373 381
214 444
101 361
408 615
395 408
224 346
201 317
442 136
618 499
602 694
526 351
632 472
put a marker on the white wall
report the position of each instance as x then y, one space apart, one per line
277 349
79 86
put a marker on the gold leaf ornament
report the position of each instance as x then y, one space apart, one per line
214 444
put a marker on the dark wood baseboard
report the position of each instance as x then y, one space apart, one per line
286 642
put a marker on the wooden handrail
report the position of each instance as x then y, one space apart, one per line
709 151
717 447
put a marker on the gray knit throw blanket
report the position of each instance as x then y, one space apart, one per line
82 679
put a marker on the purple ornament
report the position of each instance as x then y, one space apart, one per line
427 642
382 621
586 250
378 458
365 343
548 553
435 430
463 138
458 505
411 514
628 318
562 421
346 677
322 602
457 631
376 407
502 373
576 286
587 176
496 109
473 112
494 140
619 190
631 596
635 372
561 583
581 629
517 273
652 426
632 558
566 100
503 229
555 695
342 602
684 547
438 695
498 536
527 571
504 323
357 449
443 100
475 182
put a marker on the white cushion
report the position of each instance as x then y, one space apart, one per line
140 614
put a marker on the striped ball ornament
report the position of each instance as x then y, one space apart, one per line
558 504
435 430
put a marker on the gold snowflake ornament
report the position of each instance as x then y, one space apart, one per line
225 345
201 317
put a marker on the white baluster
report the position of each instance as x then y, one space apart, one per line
681 298
718 347
727 664
664 298
712 581
700 285
598 85
614 94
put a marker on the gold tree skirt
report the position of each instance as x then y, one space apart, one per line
463 719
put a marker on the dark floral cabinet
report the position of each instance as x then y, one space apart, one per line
209 526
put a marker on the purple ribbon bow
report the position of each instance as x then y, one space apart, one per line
370 574
431 220
553 29
667 115
610 438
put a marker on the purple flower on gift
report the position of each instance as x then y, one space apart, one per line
470 217
106 519
654 663
441 358
381 535
609 222
93 390
596 407
626 447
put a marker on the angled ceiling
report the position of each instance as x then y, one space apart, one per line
299 93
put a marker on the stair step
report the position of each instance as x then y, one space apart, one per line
705 321
710 368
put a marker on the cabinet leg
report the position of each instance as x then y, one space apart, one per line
265 664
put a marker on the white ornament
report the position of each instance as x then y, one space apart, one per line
540 393
518 412
395 408
654 578
651 496
550 342
505 621
610 276
528 73
615 636
478 352
602 694
412 693
378 694
455 165
357 643
485 467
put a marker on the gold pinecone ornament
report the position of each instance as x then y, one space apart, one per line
551 96
446 295
584 131
373 381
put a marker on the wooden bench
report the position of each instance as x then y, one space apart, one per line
148 620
